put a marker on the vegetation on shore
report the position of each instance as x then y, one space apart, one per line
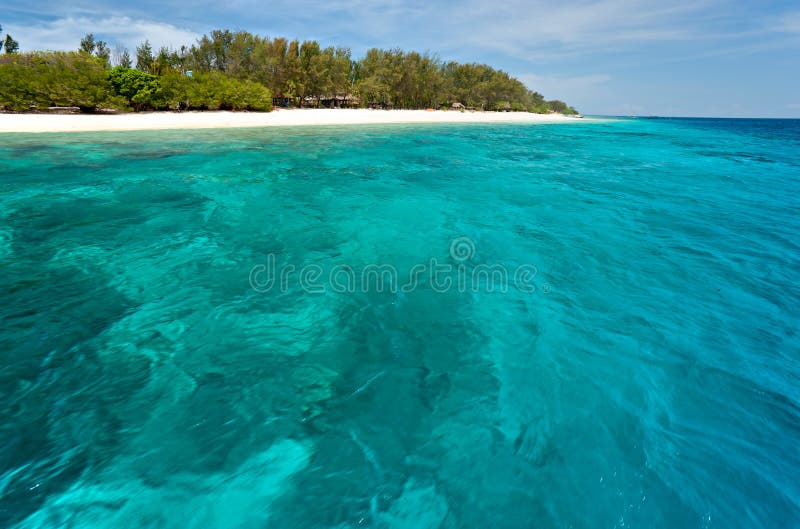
242 71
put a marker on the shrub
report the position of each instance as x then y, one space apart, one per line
252 96
557 106
175 90
65 79
540 108
40 80
216 91
140 89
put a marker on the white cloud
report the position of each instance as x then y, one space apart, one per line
530 30
66 33
540 30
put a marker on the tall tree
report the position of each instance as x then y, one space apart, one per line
11 45
278 51
125 59
221 41
144 56
341 72
293 87
103 52
239 61
88 44
311 69
164 60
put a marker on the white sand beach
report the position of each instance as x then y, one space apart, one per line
277 118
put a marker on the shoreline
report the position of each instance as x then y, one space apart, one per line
41 123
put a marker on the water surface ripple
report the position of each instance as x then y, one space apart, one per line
651 379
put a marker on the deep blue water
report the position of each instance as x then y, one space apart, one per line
561 326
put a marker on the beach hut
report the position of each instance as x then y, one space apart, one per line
457 106
339 101
350 101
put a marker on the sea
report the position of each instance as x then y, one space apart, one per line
583 325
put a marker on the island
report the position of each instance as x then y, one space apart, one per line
241 71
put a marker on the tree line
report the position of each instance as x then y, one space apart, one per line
240 70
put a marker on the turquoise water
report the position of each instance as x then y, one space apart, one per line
642 371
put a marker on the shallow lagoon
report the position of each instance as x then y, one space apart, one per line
643 373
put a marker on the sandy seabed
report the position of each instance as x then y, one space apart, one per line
277 118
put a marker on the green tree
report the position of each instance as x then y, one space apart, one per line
341 72
11 45
125 59
373 79
87 44
215 49
272 69
311 70
239 62
163 61
103 52
293 86
144 56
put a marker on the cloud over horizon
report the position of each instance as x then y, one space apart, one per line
66 33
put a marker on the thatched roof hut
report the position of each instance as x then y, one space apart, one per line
457 106
339 101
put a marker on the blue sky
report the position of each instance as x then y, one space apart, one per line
620 57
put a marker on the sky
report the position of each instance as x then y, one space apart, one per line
610 57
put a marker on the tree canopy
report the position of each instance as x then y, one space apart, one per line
87 44
240 70
306 74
